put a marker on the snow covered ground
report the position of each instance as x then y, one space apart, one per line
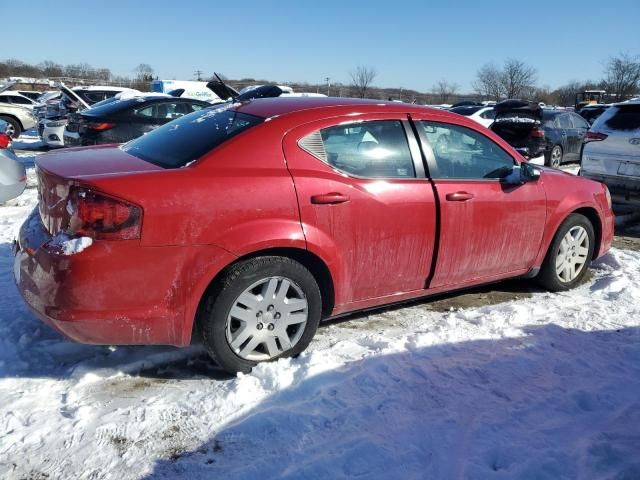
545 387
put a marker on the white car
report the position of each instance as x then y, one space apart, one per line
482 114
15 98
611 152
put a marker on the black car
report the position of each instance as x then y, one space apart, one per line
122 120
563 134
591 112
519 123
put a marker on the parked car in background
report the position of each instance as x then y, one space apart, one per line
591 112
563 134
13 175
520 124
202 226
16 98
481 114
124 120
32 94
611 152
18 117
51 126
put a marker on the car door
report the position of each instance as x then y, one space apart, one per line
363 196
568 137
580 127
487 228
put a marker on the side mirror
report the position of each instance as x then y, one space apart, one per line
529 173
523 173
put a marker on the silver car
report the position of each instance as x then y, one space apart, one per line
13 176
611 152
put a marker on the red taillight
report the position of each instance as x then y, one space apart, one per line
537 133
99 126
5 140
102 217
594 137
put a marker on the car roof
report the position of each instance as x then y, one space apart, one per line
271 107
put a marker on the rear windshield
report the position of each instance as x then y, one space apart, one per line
188 138
624 117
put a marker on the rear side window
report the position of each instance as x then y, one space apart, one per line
623 117
374 149
190 137
564 121
488 114
462 153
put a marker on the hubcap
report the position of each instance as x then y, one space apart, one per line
555 157
267 319
10 130
572 255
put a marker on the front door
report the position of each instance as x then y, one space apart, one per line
487 228
365 204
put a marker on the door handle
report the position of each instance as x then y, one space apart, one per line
329 198
459 196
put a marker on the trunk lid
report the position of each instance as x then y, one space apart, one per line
515 121
58 171
73 96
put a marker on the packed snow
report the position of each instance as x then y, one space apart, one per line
545 387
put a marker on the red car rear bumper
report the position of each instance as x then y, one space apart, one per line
118 292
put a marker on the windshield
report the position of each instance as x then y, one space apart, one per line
188 138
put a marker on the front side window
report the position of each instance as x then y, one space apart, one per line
20 100
488 114
373 149
462 153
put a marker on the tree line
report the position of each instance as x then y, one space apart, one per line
513 79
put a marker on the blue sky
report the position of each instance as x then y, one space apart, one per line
412 44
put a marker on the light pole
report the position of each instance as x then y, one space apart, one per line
327 80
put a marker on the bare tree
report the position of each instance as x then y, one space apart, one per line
144 72
488 81
445 90
622 76
361 79
517 78
51 69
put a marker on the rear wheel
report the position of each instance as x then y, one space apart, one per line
264 308
554 157
13 127
569 255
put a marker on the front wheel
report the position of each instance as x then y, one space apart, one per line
264 308
569 255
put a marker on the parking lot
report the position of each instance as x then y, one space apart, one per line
505 376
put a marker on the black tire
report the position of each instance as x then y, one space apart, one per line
548 276
213 317
15 125
553 158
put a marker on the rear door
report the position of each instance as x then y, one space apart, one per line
565 126
487 228
363 195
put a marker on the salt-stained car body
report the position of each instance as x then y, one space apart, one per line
253 221
611 153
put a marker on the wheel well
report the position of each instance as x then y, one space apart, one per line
593 217
312 262
6 115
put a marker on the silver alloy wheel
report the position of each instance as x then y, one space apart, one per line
556 156
267 319
10 130
572 255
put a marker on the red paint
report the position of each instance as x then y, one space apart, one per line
379 239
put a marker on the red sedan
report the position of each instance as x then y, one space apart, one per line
252 222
